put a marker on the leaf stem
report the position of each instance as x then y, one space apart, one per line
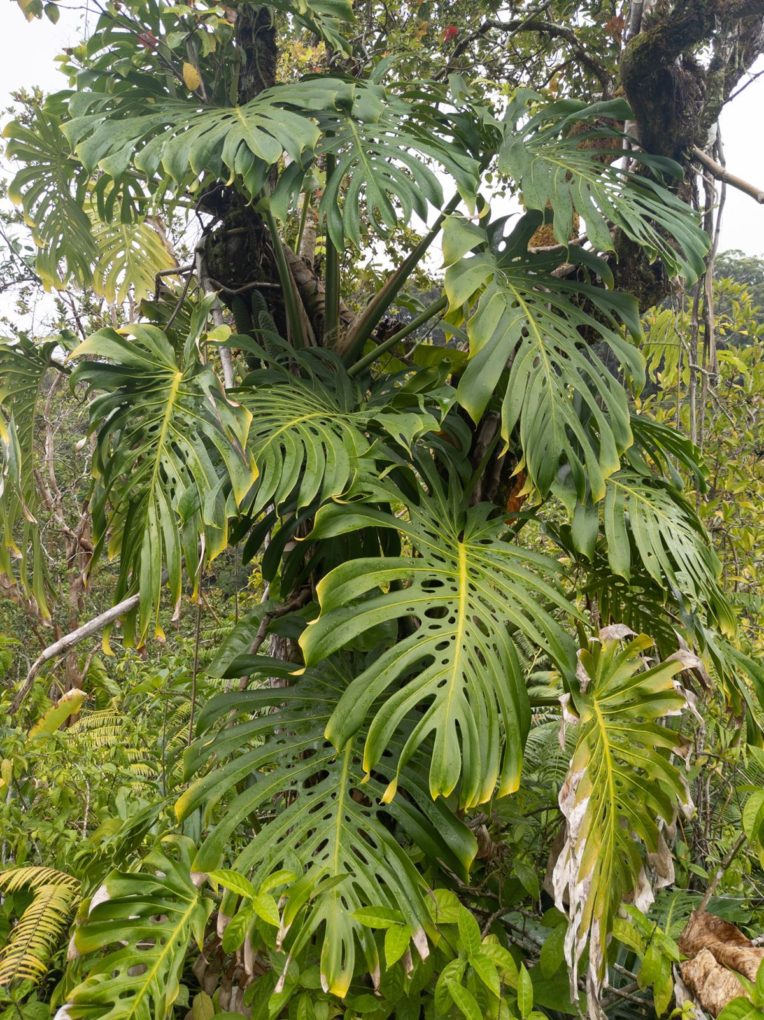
376 308
332 277
294 323
401 334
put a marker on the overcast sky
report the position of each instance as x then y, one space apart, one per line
26 59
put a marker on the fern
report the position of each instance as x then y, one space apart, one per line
39 931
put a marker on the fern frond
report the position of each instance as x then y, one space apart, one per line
546 759
38 934
14 879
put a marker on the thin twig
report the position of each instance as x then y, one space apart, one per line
240 290
720 872
180 301
262 631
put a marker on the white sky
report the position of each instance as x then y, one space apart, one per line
26 59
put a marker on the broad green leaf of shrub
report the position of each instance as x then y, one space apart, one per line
534 350
169 445
467 589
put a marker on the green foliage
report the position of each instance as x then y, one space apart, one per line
567 157
129 257
309 436
52 186
445 512
24 367
144 920
328 845
668 538
166 434
527 318
459 663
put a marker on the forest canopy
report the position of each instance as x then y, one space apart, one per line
382 462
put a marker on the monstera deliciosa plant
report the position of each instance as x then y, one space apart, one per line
465 523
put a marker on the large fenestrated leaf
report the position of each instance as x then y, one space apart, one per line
60 205
24 366
569 157
52 187
622 787
326 829
385 151
310 433
169 449
536 348
141 924
129 257
668 538
113 132
383 144
465 587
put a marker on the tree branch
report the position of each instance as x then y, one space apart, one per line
535 24
69 641
721 174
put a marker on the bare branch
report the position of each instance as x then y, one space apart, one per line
721 174
68 641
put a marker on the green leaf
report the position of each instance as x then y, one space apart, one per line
169 447
741 1009
51 184
397 941
29 947
655 972
384 153
309 435
552 953
568 407
202 1008
451 974
306 436
460 236
326 18
350 870
753 821
379 917
53 718
266 908
383 144
469 932
446 906
234 881
502 959
236 930
24 371
487 972
138 937
465 1001
465 586
129 257
524 992
567 158
669 539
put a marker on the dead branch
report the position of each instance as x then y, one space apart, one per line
69 641
721 174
